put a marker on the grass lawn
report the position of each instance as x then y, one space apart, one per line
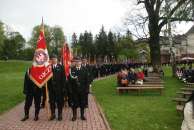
11 83
149 111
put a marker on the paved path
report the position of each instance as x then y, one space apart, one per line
95 119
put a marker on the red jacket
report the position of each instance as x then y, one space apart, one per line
140 75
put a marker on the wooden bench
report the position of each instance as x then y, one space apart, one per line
189 84
140 88
187 89
180 101
185 94
154 82
152 79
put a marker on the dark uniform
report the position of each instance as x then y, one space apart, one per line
88 70
57 90
78 91
32 92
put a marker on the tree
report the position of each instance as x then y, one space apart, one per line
2 37
54 38
126 48
13 45
57 38
101 43
35 35
111 48
157 18
74 40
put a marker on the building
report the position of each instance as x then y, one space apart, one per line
183 46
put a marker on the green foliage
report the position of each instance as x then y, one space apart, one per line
54 38
2 37
126 47
148 111
112 46
101 43
35 35
13 45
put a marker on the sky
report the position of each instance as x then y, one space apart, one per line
72 15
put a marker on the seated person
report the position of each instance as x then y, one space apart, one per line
140 76
119 75
124 76
132 76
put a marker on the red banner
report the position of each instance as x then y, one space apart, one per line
66 59
41 70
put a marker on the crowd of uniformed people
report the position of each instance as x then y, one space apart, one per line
73 89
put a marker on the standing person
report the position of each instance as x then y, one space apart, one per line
57 89
32 92
78 89
88 69
188 122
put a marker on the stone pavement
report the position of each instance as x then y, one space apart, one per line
95 119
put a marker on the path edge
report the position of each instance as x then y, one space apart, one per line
102 114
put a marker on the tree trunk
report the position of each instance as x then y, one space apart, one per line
154 43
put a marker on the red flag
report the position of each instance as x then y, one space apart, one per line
41 70
66 59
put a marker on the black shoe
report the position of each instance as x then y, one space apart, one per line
73 119
25 118
83 118
52 117
59 117
35 118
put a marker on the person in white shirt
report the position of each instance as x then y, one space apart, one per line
188 122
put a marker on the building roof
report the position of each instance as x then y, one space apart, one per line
191 30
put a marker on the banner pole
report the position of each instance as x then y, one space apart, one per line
47 101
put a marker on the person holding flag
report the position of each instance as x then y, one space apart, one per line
37 76
66 58
32 92
57 88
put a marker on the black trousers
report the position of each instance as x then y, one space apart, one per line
79 100
56 99
28 103
43 96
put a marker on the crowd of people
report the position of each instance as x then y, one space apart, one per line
73 89
185 74
134 75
